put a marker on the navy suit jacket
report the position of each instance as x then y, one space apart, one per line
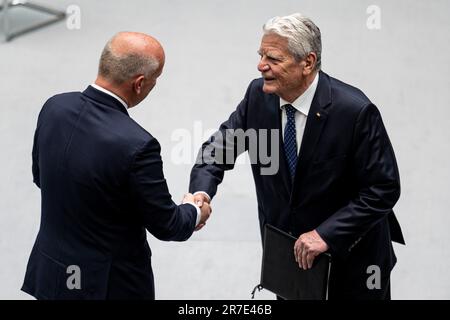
102 186
346 180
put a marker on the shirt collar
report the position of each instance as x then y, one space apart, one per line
110 93
303 103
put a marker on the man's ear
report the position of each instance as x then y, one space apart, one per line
309 63
138 84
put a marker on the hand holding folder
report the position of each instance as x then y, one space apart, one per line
307 247
281 274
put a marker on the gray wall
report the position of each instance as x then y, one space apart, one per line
211 57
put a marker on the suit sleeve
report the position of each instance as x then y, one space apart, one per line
35 159
218 154
151 198
374 169
35 151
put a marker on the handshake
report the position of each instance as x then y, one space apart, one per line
202 201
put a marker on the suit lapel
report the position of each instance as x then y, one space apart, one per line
315 123
273 102
274 123
284 169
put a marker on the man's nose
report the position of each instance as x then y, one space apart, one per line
262 66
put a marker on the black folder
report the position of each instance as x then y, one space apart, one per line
281 274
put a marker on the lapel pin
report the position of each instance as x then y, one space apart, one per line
318 114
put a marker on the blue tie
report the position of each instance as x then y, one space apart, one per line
290 139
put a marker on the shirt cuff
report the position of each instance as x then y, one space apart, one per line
199 214
204 193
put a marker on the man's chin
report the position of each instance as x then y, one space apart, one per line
268 88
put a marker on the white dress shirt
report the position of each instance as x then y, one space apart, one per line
302 105
112 94
199 215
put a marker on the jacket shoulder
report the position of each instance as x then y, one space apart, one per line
348 96
256 85
64 98
125 130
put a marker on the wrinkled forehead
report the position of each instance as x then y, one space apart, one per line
273 43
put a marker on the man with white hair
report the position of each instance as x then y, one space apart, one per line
337 180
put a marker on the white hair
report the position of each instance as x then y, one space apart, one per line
302 34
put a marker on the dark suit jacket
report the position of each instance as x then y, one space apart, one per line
346 181
102 186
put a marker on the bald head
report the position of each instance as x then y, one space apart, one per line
129 66
125 43
129 54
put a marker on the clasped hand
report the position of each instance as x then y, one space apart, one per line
203 203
